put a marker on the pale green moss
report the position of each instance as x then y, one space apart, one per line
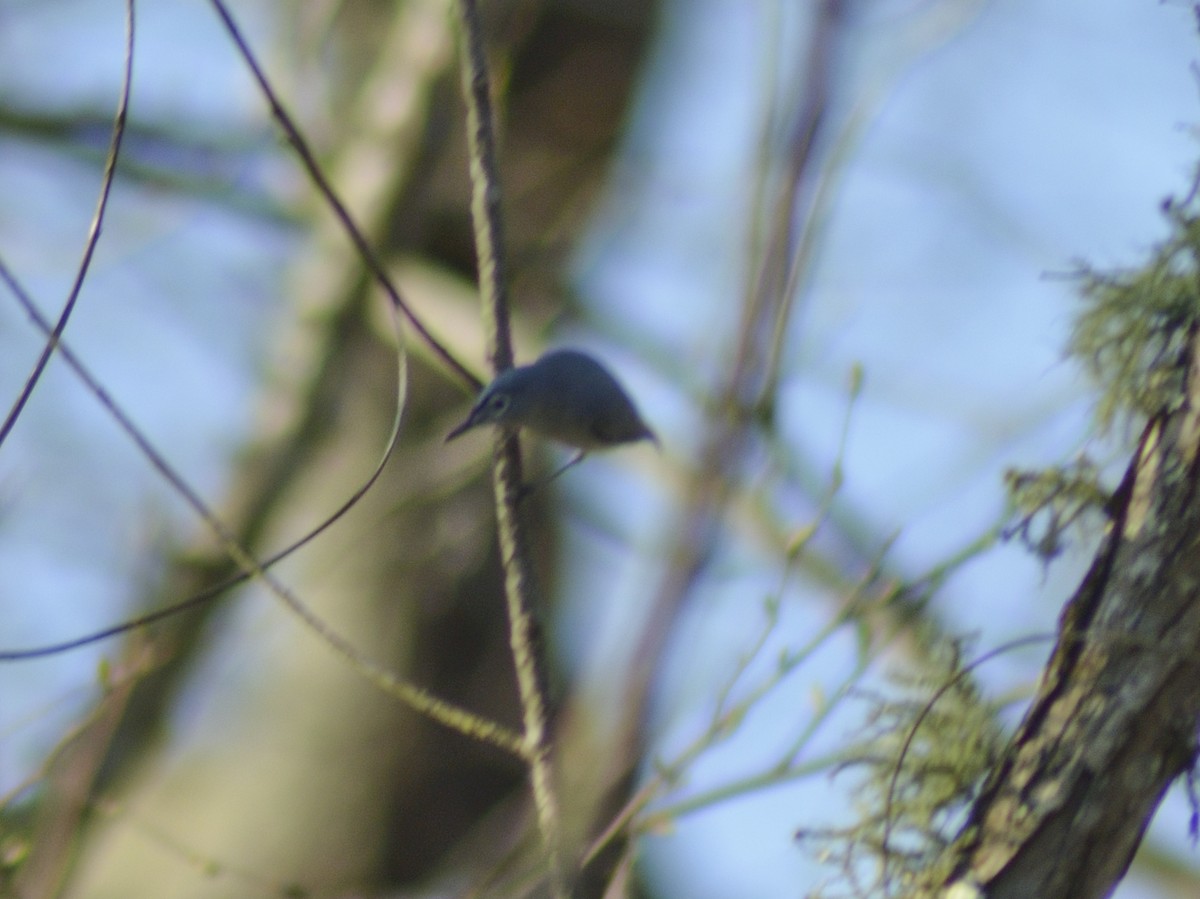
1134 331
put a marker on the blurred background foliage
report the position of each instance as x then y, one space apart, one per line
812 238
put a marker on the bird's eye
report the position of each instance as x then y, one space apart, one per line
497 403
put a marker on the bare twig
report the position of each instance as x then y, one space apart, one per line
514 550
93 238
366 252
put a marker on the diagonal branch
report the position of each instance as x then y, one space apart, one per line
1114 721
363 247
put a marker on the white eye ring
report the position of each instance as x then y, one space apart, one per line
498 402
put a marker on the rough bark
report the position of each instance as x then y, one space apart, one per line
1114 720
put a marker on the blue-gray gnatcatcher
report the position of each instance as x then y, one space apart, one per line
566 396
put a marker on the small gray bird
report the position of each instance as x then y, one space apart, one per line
566 396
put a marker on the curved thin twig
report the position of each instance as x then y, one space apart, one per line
212 592
93 238
889 799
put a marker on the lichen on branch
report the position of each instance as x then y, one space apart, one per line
1134 331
